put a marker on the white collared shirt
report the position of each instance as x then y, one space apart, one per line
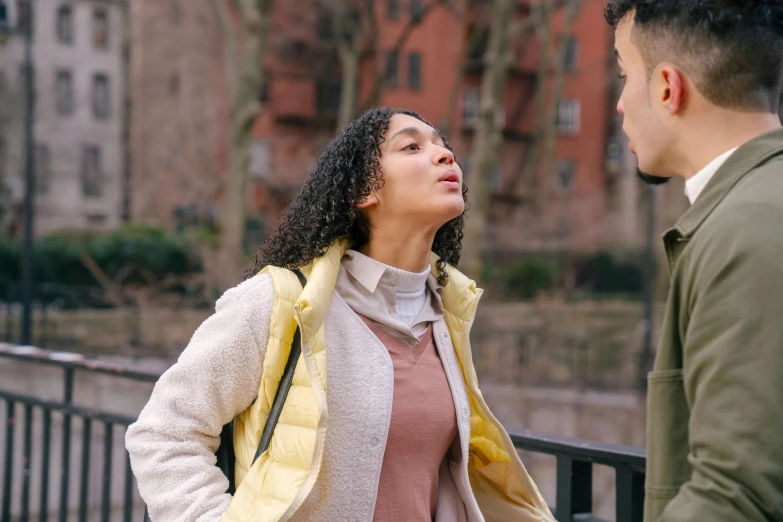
698 181
371 288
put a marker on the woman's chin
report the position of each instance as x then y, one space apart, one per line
448 210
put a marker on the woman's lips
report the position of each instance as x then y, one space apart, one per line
452 184
450 177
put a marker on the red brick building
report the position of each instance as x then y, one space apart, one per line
292 128
300 100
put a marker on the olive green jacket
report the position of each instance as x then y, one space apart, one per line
715 396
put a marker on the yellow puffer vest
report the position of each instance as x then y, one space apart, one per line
277 484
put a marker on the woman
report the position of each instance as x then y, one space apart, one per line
384 421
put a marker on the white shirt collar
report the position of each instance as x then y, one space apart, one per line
695 185
370 272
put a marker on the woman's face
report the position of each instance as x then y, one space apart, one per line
422 184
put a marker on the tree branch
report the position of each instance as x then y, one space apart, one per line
374 97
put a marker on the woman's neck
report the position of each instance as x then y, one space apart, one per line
411 253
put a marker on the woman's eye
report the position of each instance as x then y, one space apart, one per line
411 146
622 76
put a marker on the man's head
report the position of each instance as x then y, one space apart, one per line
682 59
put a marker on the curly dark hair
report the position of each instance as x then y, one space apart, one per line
325 210
733 49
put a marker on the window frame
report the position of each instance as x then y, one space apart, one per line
65 106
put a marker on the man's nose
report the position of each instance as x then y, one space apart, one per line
621 107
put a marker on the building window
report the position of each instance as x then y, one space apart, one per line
24 21
64 93
65 24
565 170
569 116
391 69
3 15
470 107
100 28
572 54
92 175
43 165
414 71
101 97
416 10
96 220
393 9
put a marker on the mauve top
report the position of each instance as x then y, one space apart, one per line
423 426
423 421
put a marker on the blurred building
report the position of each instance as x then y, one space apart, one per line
79 57
592 188
181 105
179 120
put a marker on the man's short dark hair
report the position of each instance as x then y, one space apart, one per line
731 49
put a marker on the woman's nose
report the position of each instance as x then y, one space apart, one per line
444 155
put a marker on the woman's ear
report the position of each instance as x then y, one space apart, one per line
368 201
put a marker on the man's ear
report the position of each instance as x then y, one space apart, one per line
367 202
673 93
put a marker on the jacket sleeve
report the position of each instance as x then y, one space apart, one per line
172 444
733 372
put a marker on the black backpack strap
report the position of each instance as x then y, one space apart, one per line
284 386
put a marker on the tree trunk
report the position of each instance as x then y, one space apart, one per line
352 20
374 98
550 127
246 47
488 138
542 20
451 106
349 59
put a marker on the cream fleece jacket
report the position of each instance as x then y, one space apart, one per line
217 376
172 444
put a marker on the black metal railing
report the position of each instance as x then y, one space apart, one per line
19 475
575 457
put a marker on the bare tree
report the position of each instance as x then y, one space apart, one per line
541 16
488 138
351 21
356 37
475 38
379 78
550 129
245 26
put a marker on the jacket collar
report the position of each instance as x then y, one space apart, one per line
749 156
460 296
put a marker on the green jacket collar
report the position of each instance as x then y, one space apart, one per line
748 157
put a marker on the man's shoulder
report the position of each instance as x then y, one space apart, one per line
761 186
752 211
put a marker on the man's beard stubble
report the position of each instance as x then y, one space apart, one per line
649 179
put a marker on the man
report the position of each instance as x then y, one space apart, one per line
702 87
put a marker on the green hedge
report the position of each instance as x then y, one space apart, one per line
604 273
599 274
143 253
522 278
